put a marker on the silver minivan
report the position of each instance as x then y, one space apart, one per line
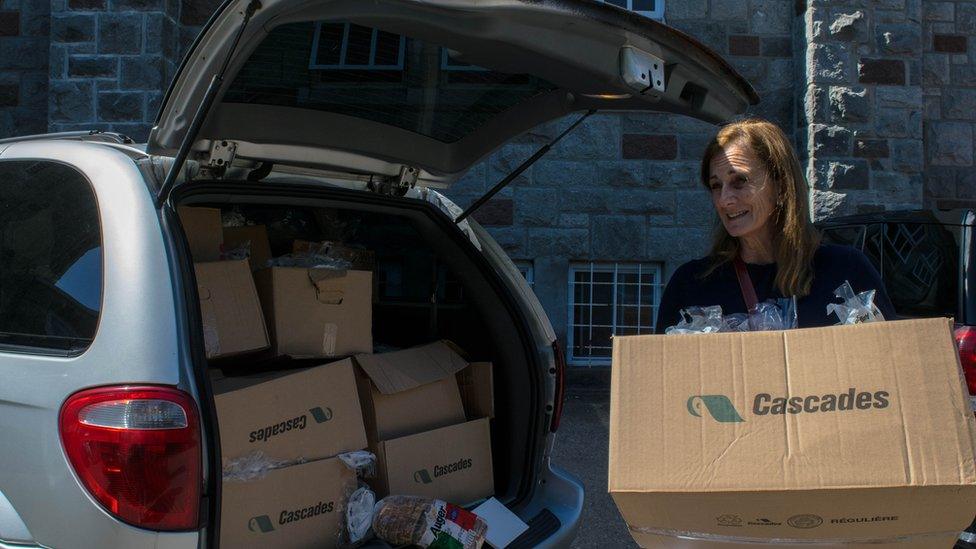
319 119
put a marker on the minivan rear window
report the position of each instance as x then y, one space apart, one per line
50 257
363 72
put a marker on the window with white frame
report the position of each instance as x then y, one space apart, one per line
528 271
648 8
607 299
338 45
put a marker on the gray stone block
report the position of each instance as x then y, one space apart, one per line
831 140
160 35
509 157
776 46
120 107
899 97
688 9
829 63
950 143
537 207
120 33
963 75
965 183
882 71
72 28
692 146
771 16
694 208
512 239
36 20
933 107
827 204
624 173
940 181
959 103
572 243
776 106
889 16
574 221
72 102
723 10
850 104
898 39
561 174
472 182
637 202
137 5
617 237
966 18
908 155
34 95
661 123
938 11
846 175
712 34
871 148
58 63
935 69
598 137
898 188
153 103
891 123
851 26
143 73
678 244
889 4
85 66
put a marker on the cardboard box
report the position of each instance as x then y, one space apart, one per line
477 385
203 232
857 432
229 307
410 391
317 313
451 463
308 414
256 238
298 507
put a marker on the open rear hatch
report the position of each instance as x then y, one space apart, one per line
433 85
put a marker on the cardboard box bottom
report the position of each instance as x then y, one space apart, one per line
822 518
652 541
296 507
452 463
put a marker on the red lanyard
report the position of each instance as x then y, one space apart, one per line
745 284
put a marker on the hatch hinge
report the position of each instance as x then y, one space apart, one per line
396 185
222 154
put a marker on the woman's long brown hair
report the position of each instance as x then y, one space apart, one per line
795 239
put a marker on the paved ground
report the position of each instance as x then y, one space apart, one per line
581 448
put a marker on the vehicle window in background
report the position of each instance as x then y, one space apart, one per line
919 263
50 256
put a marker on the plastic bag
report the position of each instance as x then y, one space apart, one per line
698 320
774 314
243 251
411 520
856 308
361 461
359 515
251 466
310 261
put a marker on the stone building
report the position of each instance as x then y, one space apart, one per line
879 95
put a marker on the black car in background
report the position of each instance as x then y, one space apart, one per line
926 260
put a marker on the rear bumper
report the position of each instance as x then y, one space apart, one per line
561 494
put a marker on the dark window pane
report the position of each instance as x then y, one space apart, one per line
627 278
603 294
582 276
330 44
377 83
646 5
603 276
620 3
50 256
387 48
581 293
602 315
626 294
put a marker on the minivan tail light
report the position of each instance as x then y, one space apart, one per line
966 340
136 449
560 366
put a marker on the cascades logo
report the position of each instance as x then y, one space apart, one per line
423 476
721 409
319 415
718 406
260 524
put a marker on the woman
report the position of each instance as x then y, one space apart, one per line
760 195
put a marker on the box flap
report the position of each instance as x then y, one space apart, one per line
233 322
203 232
871 405
477 386
402 370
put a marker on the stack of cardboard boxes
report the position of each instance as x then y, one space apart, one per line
423 411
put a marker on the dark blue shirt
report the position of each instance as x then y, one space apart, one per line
832 265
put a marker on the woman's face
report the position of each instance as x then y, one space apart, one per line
742 194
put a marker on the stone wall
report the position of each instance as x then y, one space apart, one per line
949 95
24 35
863 108
110 61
